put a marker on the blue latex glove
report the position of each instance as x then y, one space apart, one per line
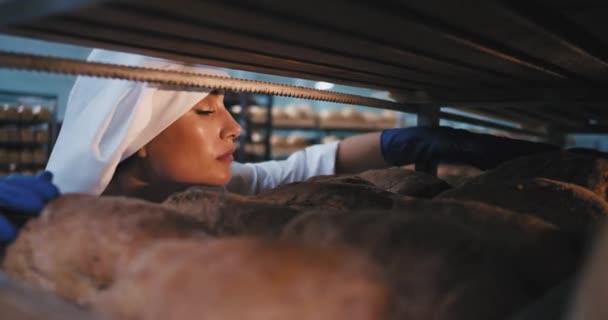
406 146
24 196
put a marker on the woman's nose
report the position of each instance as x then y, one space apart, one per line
230 129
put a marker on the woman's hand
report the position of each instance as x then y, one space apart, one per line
443 144
23 196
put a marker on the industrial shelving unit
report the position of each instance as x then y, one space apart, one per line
541 65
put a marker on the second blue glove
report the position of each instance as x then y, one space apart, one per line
23 196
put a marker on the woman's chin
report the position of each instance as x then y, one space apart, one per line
225 180
211 176
217 180
220 179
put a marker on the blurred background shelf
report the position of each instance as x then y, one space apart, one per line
27 131
272 131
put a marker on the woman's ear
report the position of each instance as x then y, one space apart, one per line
142 152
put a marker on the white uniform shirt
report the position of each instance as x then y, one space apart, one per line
253 178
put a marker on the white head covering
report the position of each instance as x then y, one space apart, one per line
108 120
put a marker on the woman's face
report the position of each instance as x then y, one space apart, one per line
195 149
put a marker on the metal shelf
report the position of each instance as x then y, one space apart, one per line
545 60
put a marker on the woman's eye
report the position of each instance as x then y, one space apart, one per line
204 112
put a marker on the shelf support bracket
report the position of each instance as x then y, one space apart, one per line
428 116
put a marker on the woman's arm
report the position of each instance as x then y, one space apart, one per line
253 178
359 153
392 147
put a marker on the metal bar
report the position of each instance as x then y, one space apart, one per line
271 24
488 124
199 29
524 96
547 95
472 41
577 113
586 113
184 80
428 116
242 120
223 47
506 115
596 129
172 54
539 103
267 144
551 25
596 114
459 97
556 136
553 118
214 51
591 113
23 11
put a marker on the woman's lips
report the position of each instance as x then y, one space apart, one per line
227 157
